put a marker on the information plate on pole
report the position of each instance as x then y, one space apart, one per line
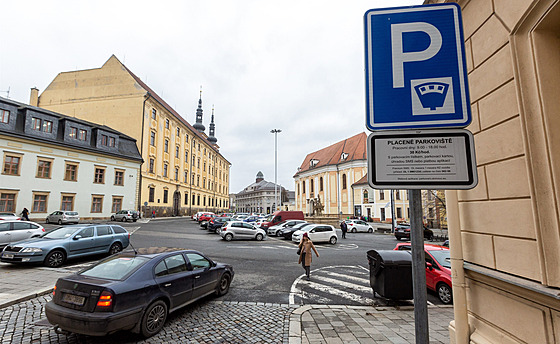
422 159
416 75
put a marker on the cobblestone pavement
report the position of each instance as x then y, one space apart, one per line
203 322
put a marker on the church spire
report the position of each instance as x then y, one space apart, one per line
198 125
212 138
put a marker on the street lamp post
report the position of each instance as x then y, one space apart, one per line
275 132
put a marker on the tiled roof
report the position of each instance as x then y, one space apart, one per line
355 147
362 180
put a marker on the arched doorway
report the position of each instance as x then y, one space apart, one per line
176 202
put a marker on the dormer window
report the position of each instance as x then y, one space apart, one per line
5 116
41 125
343 156
107 141
313 162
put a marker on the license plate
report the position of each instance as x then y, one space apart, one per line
73 299
8 256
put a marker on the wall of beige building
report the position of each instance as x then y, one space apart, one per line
111 96
508 226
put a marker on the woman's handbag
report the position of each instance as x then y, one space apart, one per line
299 251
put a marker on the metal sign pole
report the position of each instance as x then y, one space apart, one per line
418 268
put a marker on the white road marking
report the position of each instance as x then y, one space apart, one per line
350 277
344 284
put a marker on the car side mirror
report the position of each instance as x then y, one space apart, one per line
429 266
77 237
312 231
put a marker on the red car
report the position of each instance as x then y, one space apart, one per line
438 270
206 217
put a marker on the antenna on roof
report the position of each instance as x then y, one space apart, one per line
7 92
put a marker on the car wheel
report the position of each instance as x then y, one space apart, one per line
115 248
444 293
154 319
332 240
353 230
134 220
54 259
47 220
228 237
217 230
112 218
370 230
279 234
398 239
259 237
59 222
123 219
223 287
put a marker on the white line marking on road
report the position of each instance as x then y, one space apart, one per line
349 277
341 283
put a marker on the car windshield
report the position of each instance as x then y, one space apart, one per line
114 268
7 214
61 232
300 225
268 218
442 257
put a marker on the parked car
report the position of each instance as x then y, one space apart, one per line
8 216
216 223
125 215
63 216
402 231
136 292
206 217
241 230
438 269
16 230
288 232
55 247
358 226
282 215
276 230
198 215
251 218
317 233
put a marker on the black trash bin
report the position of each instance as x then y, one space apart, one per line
390 273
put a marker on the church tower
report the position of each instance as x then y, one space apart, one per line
198 125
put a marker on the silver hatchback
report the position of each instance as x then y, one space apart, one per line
125 215
241 230
63 216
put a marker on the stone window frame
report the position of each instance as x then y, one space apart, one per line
46 194
153 138
122 171
3 205
166 146
151 165
165 195
70 163
177 151
64 195
96 175
151 193
116 203
49 173
3 118
167 123
96 200
165 170
11 155
154 113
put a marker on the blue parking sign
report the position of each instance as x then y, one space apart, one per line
416 75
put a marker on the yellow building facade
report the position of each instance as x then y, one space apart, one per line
505 233
183 171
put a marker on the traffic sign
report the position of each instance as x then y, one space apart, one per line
416 75
422 159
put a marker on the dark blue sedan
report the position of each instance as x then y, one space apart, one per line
134 291
55 247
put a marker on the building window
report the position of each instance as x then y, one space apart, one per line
117 204
5 116
97 204
152 138
41 125
8 202
204 201
165 193
36 123
343 182
397 195
198 200
165 170
107 141
47 126
39 203
99 177
82 134
197 180
186 156
320 184
176 173
177 152
193 199
151 194
154 113
166 123
11 165
192 179
399 213
198 163
204 167
71 172
186 138
73 132
166 146
67 203
303 187
119 177
311 189
151 166
178 131
44 169
193 160
186 198
381 194
204 183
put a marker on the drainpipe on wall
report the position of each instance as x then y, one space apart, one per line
146 97
338 191
461 321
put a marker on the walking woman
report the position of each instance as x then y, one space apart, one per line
306 245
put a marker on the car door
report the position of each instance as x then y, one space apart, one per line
82 243
20 231
5 235
315 234
237 229
249 230
175 279
431 274
103 238
205 278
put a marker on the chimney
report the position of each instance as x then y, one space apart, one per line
34 98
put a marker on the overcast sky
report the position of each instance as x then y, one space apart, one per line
293 65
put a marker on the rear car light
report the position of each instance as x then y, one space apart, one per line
54 291
43 229
105 300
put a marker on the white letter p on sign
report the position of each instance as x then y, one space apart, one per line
399 57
